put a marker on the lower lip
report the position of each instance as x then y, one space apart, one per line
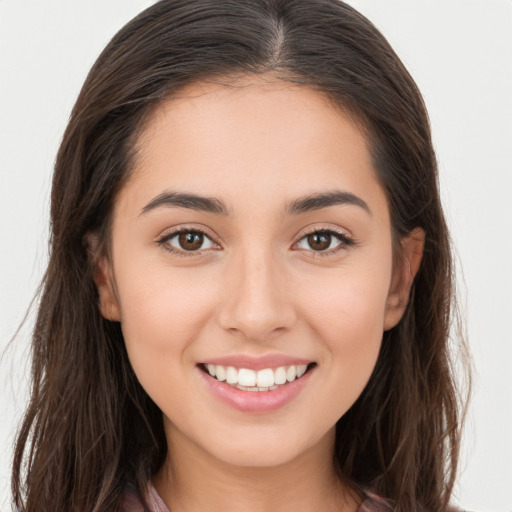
256 401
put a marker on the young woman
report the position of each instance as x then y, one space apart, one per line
248 297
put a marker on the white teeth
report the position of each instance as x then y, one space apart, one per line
220 373
291 373
265 378
231 375
245 388
246 378
251 380
301 370
280 375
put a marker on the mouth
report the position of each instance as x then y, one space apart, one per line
263 380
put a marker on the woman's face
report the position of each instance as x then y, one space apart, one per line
252 242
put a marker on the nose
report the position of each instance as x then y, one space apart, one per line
258 300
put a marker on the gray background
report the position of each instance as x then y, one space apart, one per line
459 52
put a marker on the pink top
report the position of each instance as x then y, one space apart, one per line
131 503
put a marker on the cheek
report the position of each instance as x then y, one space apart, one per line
348 317
162 311
351 330
349 305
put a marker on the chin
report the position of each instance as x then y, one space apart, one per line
269 448
257 456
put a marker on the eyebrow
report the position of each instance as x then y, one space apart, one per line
324 200
212 205
190 201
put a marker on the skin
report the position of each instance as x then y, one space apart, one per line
257 288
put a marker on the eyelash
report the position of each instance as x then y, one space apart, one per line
344 240
164 240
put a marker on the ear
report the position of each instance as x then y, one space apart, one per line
103 278
403 277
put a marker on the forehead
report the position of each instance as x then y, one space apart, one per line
255 136
261 105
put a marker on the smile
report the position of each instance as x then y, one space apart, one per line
266 379
258 385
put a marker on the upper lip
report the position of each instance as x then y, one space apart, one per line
257 363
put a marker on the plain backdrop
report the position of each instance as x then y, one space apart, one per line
459 52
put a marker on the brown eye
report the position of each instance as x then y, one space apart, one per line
187 241
190 241
319 241
324 241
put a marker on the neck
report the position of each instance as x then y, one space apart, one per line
192 480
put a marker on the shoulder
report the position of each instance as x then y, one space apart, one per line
132 503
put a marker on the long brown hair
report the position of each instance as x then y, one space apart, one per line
90 428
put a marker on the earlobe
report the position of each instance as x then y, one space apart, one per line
102 274
107 299
403 277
